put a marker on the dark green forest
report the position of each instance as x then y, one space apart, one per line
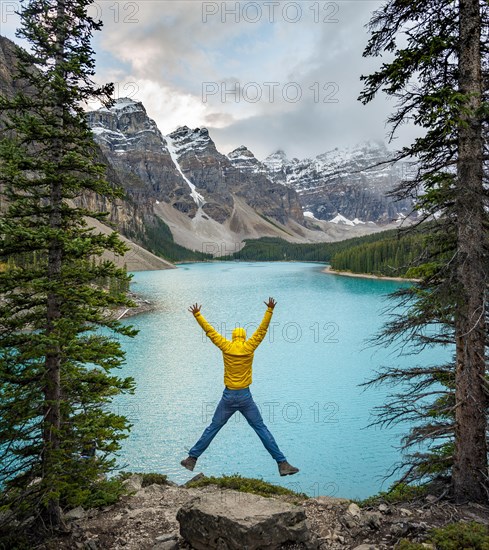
389 253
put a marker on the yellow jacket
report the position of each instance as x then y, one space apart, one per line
238 353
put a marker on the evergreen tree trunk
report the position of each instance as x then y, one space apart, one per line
52 390
470 460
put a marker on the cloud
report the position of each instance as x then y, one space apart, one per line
266 74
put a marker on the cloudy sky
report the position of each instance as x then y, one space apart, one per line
266 74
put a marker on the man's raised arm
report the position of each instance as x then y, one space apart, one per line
210 331
261 331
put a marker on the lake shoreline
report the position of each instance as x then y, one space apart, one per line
331 271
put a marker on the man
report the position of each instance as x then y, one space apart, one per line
238 359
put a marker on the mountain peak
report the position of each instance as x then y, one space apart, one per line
279 153
241 151
276 161
124 105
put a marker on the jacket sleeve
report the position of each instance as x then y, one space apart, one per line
261 331
211 332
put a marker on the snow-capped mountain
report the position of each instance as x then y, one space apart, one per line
185 170
341 184
183 179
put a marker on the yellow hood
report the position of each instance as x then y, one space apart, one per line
239 334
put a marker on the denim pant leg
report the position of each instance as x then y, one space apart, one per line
250 411
222 414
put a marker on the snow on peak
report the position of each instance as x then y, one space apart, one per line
339 219
276 161
184 139
241 152
244 160
124 105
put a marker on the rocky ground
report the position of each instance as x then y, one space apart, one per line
146 520
142 306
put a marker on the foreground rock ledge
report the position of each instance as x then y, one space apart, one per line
241 521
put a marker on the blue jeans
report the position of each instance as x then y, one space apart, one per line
242 401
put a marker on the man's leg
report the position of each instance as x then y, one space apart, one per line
250 411
222 414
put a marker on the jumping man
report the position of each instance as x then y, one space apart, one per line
238 359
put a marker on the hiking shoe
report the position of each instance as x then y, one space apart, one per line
286 469
189 463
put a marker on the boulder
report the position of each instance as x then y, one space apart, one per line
134 483
230 520
75 513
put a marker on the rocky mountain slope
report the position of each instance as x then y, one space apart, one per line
341 186
215 201
180 189
197 191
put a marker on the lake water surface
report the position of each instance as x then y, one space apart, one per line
306 376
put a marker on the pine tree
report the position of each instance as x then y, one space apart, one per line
56 356
440 78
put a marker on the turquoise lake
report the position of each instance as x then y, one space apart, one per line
306 376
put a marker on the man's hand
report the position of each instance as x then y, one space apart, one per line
271 302
194 308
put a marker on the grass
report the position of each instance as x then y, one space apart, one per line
247 485
455 536
401 492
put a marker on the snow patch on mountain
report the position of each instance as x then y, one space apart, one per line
339 219
342 220
198 198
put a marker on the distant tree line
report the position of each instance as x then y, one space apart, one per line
387 257
390 253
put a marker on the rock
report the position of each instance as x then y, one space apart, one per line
366 547
166 545
231 520
133 483
372 520
91 545
405 512
195 478
348 521
167 537
399 529
150 490
353 510
430 498
75 513
329 502
384 508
